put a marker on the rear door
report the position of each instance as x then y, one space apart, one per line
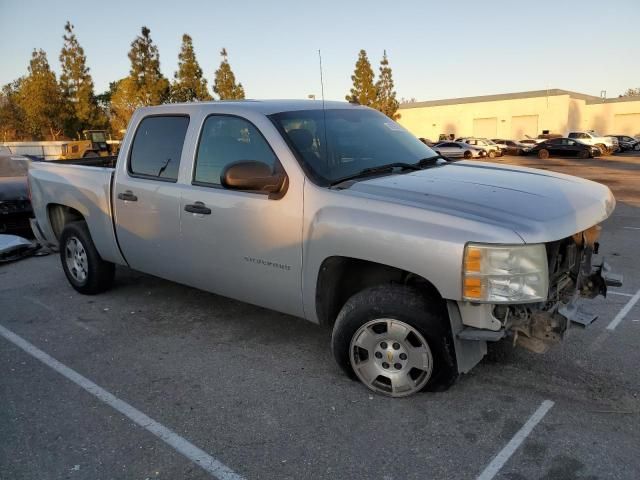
147 196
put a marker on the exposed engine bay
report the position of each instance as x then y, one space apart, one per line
571 276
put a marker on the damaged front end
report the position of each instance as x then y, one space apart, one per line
571 276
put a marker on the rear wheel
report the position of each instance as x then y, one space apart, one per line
81 262
603 149
636 147
543 153
394 340
90 154
492 154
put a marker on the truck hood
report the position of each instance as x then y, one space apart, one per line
538 205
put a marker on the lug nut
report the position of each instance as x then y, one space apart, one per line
383 345
385 365
397 366
378 355
396 346
403 356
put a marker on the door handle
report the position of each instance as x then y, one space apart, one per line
198 207
128 196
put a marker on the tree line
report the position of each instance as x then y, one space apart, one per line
40 106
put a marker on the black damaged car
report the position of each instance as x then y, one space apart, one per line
15 206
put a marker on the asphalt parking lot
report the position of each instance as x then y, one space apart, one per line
259 392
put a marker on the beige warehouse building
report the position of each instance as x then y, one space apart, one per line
518 115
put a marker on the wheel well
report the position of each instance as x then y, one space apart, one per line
342 277
60 215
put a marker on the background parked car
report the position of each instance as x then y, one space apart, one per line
485 144
428 142
458 150
511 147
565 147
15 206
605 144
626 142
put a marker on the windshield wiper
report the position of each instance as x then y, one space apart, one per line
429 161
379 169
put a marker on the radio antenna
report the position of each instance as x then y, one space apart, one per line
324 112
321 79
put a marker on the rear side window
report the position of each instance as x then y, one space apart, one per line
225 140
157 147
573 135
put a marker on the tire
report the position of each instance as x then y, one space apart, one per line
491 154
583 154
468 155
85 270
603 149
543 153
636 147
392 317
90 154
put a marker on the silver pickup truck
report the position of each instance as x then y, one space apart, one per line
334 213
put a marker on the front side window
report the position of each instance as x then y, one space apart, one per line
225 140
157 147
336 143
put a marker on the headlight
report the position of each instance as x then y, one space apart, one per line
505 273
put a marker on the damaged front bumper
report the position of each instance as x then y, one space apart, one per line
537 326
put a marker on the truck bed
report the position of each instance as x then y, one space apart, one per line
83 188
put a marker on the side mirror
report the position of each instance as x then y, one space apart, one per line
253 176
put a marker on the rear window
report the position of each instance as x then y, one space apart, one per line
157 147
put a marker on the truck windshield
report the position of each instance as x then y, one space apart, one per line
338 143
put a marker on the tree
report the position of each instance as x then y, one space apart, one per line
631 92
144 86
123 102
11 115
385 94
41 100
363 91
151 87
77 86
189 85
225 81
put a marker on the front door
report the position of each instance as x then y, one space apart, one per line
243 245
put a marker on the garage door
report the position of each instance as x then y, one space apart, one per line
626 124
523 126
485 127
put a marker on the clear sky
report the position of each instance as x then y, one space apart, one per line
436 49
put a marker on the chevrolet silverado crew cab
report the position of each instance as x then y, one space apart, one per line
340 216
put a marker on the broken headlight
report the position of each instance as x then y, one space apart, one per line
505 273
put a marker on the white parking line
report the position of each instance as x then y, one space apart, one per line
619 293
631 228
178 443
625 310
499 460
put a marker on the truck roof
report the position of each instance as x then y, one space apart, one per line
266 107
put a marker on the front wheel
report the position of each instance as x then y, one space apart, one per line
583 154
81 262
395 341
636 147
468 155
492 154
543 154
